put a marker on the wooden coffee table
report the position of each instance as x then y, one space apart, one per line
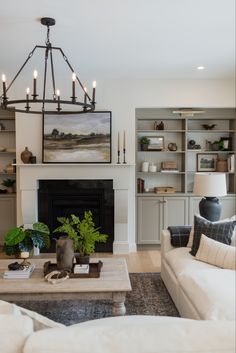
113 284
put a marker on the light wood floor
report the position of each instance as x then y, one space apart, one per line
140 261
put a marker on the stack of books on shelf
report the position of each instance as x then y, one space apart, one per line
140 185
19 274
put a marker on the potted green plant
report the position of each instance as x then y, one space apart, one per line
9 183
218 145
144 142
83 233
19 239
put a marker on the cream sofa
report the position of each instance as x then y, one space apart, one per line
23 331
199 290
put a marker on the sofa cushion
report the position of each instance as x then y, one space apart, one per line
181 261
211 291
216 253
136 335
14 330
40 322
221 231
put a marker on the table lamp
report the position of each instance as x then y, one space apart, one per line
210 186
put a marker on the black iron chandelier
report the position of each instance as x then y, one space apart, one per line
37 105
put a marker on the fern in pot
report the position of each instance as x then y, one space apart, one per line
83 233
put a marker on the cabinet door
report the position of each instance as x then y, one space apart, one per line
193 208
175 211
7 215
228 205
150 219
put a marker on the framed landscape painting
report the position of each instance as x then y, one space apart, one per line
206 162
82 138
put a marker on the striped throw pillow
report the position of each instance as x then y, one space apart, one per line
215 253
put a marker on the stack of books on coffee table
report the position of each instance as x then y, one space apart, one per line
19 274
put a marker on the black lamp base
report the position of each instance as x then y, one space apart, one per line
210 208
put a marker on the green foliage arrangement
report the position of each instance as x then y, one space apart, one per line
220 144
82 232
8 183
19 239
144 140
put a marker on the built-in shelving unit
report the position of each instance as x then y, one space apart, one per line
180 130
7 171
156 211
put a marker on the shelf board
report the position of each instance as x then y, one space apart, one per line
7 131
7 118
2 173
8 152
193 172
212 131
206 151
8 194
153 173
160 131
162 151
154 194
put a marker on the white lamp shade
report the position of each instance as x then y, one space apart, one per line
210 184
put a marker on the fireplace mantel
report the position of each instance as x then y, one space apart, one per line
123 176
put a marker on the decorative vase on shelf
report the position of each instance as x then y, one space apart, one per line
26 155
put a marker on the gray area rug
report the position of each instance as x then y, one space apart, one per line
149 296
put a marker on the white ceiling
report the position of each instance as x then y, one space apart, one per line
125 38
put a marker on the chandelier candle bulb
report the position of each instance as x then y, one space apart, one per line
73 86
124 141
35 75
27 99
27 93
58 100
4 86
94 88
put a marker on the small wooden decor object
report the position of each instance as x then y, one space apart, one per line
169 165
164 190
221 165
94 270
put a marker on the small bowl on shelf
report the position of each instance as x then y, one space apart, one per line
2 149
208 126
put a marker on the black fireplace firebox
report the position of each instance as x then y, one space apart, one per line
61 198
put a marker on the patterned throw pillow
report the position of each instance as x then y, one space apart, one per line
215 253
233 218
221 232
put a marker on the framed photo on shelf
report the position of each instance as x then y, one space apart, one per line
206 162
226 143
156 143
77 138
